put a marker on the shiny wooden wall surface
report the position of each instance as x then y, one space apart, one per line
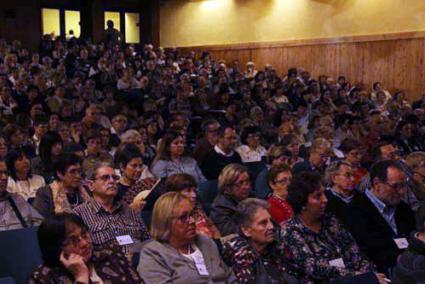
397 60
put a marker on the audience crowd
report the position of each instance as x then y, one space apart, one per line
144 165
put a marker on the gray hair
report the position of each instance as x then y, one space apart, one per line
333 169
247 209
129 134
91 171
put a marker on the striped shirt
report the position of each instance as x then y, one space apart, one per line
105 226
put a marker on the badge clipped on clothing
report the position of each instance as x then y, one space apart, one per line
124 240
338 262
200 263
401 243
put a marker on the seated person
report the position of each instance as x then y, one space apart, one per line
68 255
251 150
279 179
379 221
234 185
108 220
66 191
319 155
130 161
94 152
341 189
222 154
276 155
353 153
177 254
255 255
16 212
321 249
416 163
186 185
410 266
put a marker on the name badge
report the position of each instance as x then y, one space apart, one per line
124 240
338 262
202 269
401 243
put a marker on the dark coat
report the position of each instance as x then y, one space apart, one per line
374 235
223 211
214 162
411 264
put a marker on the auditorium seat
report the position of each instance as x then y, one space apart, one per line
20 254
207 191
7 280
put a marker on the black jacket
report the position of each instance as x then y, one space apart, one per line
374 235
214 162
411 264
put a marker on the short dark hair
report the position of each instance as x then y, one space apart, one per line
126 154
53 232
205 124
41 119
12 156
48 140
275 171
179 182
301 186
223 128
380 170
350 144
247 131
64 161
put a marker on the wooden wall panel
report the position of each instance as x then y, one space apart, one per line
396 60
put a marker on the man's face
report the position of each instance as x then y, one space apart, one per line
229 139
105 183
391 191
389 152
41 129
212 133
3 177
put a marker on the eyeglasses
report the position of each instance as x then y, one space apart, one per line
242 183
283 181
186 218
75 240
347 175
105 178
398 185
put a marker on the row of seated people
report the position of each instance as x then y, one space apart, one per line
303 232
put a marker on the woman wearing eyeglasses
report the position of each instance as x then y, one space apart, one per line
68 255
279 178
177 254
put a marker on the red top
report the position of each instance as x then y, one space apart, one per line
280 210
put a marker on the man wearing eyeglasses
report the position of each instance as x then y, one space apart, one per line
380 221
110 221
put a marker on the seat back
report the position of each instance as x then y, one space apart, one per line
20 253
207 191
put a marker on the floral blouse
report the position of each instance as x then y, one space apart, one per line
251 267
204 225
312 252
109 263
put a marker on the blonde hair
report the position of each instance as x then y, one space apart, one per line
414 159
229 175
163 214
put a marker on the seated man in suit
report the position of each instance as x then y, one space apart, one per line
380 222
222 154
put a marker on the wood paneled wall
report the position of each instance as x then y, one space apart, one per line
396 60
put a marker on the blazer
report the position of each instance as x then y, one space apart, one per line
374 235
161 263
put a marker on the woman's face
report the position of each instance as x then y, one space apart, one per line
78 241
241 187
190 193
261 230
22 164
294 147
64 132
316 203
3 147
253 140
56 149
17 138
280 184
183 228
177 147
53 121
133 169
354 157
